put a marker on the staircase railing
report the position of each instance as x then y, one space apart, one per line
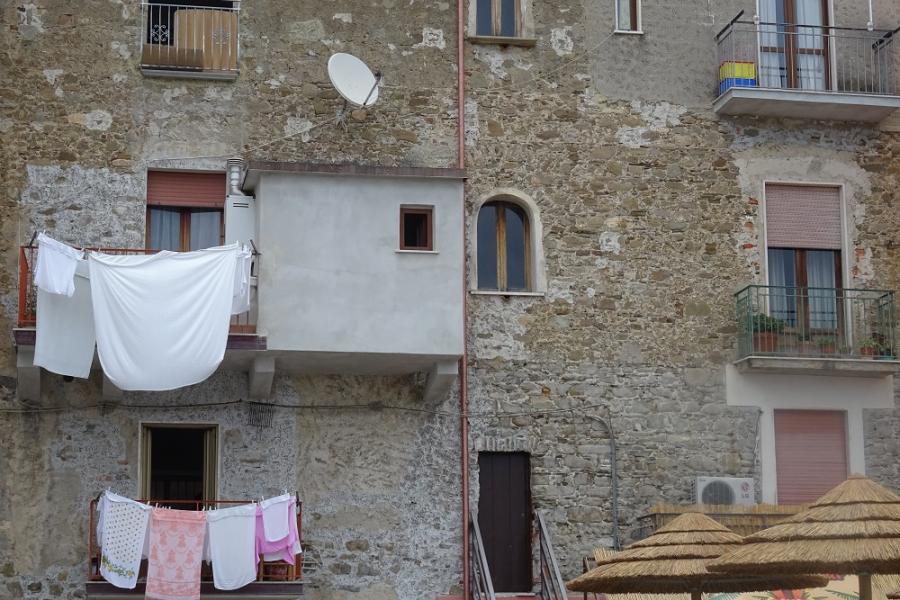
552 586
479 573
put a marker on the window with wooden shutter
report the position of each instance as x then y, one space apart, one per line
810 453
185 211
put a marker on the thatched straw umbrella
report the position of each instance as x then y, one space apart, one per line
673 560
852 530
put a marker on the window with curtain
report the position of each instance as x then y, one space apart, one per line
497 18
794 44
185 211
628 13
503 247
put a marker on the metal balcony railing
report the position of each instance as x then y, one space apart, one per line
812 58
815 322
179 38
27 317
267 570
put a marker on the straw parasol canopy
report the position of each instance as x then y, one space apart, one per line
674 559
854 529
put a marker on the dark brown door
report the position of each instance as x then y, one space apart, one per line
504 517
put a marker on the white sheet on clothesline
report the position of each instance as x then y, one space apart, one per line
162 320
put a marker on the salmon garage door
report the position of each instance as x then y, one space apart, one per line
810 453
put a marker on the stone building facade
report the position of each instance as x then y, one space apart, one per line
646 215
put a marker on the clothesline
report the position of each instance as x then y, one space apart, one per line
254 251
175 542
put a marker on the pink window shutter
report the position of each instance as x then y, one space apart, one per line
810 453
799 216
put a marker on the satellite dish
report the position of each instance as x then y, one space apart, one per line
353 80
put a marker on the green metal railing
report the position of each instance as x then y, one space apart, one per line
815 322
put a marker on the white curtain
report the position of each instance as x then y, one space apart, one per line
783 294
822 302
205 228
165 228
772 69
623 15
811 67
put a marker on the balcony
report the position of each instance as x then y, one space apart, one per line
824 331
243 340
180 40
275 579
806 72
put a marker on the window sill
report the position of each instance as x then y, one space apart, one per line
501 293
399 251
528 42
628 32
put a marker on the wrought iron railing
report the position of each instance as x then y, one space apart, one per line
815 322
552 585
813 58
480 585
27 317
189 39
266 571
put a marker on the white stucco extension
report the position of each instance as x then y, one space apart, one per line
770 392
333 282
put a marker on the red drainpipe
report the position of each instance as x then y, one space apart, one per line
463 362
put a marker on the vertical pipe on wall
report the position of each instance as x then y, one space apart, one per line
463 362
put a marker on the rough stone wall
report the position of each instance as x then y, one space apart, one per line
377 517
81 126
651 221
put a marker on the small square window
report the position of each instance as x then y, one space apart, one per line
416 228
499 18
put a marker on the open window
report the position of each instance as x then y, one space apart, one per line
417 228
179 464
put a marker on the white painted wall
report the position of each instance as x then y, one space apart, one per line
331 278
770 392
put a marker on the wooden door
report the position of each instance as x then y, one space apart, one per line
504 517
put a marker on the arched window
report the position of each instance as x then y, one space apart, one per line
503 244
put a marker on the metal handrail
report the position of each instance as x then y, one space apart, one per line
786 24
552 585
482 588
27 309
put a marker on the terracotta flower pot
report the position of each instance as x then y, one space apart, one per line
868 351
765 341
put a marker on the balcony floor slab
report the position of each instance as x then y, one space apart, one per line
260 590
844 367
805 104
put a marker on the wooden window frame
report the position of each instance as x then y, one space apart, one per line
802 281
185 224
428 211
497 20
791 49
500 238
635 24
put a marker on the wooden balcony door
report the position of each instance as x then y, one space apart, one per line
794 44
504 518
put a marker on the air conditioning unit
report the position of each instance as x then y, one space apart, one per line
724 490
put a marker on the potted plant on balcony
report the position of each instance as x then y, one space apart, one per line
827 345
806 346
869 348
766 331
